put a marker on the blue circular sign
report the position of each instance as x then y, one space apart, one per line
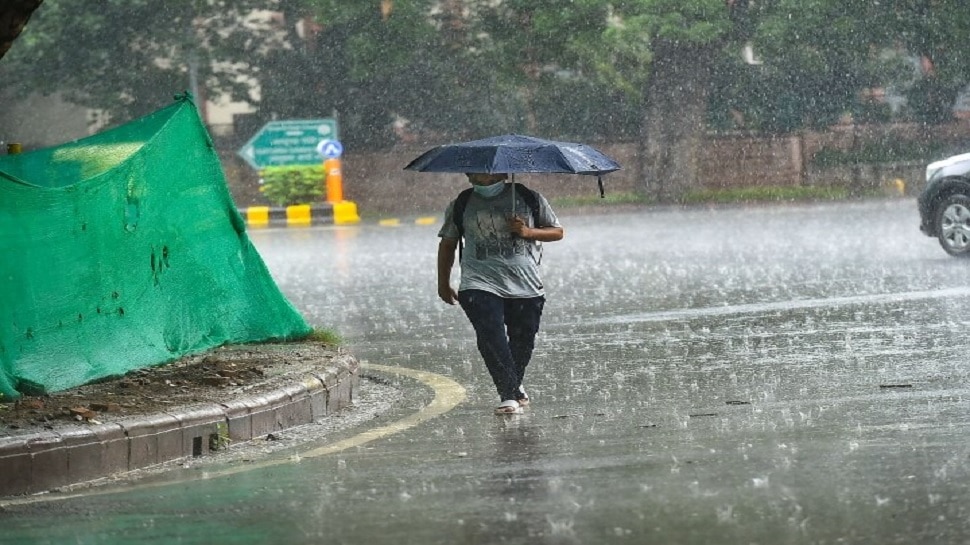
331 149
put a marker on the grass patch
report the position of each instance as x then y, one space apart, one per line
325 336
768 193
881 152
611 198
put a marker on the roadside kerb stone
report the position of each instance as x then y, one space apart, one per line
49 460
199 427
265 412
84 453
317 397
152 440
340 381
239 419
16 463
115 451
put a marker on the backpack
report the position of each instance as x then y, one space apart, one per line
528 196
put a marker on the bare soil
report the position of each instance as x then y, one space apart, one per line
218 375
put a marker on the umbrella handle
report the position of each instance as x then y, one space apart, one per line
599 181
513 193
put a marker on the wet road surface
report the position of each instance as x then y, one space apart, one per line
769 374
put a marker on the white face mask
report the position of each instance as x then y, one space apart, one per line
489 190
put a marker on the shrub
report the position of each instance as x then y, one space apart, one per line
765 193
284 186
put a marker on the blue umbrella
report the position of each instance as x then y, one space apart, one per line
512 153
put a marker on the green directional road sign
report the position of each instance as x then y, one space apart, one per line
288 142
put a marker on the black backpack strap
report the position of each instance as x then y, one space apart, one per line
458 217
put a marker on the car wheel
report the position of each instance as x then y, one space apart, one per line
953 225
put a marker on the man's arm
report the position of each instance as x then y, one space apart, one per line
446 260
540 234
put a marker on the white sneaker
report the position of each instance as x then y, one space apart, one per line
509 406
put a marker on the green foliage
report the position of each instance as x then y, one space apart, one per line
694 22
611 198
936 32
817 57
284 186
576 69
884 151
930 99
821 57
325 336
220 440
765 193
128 57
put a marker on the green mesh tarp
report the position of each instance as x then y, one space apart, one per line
122 251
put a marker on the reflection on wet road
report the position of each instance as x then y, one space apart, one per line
774 374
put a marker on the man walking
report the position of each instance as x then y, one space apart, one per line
500 289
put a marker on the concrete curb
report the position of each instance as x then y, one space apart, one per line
44 461
301 215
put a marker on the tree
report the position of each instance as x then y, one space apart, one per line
454 69
373 63
659 71
127 57
14 15
533 46
817 58
936 32
683 37
816 61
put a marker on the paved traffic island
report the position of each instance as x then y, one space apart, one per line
298 390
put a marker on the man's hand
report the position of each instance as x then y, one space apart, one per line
446 259
518 226
447 294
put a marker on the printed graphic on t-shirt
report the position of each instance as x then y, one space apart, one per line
495 239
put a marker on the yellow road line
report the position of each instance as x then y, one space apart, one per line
447 395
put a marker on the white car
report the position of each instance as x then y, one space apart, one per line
944 205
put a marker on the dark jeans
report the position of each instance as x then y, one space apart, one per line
506 331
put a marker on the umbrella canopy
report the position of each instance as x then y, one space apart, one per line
511 153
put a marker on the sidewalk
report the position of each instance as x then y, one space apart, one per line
300 383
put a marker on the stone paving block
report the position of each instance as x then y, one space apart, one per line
329 377
239 419
318 404
84 454
294 413
148 435
316 397
15 464
114 442
200 426
297 411
354 383
48 462
265 413
340 396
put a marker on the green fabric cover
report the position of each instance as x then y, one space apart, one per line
122 251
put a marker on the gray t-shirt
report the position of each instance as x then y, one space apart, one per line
494 259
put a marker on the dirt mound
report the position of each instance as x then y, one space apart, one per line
215 376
